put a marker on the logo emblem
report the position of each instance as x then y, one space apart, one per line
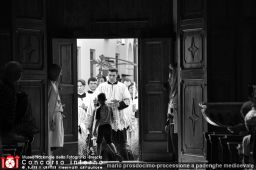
9 162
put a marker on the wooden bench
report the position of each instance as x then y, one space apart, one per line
225 152
218 150
220 142
233 152
215 148
208 146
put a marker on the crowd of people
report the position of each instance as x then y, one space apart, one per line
107 109
114 118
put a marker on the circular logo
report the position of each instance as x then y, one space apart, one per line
10 163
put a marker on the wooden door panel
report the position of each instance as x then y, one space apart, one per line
155 104
28 33
69 114
30 9
193 139
35 91
64 54
192 91
29 48
66 62
192 49
192 9
154 60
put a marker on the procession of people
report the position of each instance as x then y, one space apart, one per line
120 103
122 100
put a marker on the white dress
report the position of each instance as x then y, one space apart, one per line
56 136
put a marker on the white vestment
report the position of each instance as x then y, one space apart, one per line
56 135
116 91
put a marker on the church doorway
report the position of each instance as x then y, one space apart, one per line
150 76
94 58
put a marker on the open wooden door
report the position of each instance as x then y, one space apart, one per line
64 54
192 90
154 59
25 41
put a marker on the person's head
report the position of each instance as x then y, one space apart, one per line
102 98
245 108
131 88
112 75
12 71
54 72
118 78
92 83
80 86
102 79
250 120
127 82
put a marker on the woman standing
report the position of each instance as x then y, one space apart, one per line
55 109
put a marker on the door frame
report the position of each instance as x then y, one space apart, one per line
138 84
139 68
73 137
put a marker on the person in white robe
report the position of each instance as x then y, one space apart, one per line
82 118
92 85
118 97
133 132
55 109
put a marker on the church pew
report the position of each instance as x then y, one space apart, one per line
218 147
220 116
208 144
225 156
233 152
215 147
